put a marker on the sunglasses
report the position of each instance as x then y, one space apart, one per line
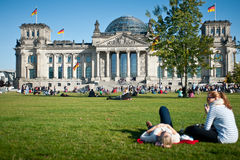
209 97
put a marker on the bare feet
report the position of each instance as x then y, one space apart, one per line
149 124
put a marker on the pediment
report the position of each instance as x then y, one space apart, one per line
122 40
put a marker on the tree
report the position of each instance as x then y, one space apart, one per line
236 74
176 39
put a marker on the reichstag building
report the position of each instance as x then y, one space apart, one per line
120 53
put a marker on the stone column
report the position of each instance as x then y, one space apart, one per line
38 65
23 69
55 68
117 64
27 73
138 62
128 64
107 63
74 62
147 66
83 66
97 60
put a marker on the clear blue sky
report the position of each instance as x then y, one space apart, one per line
77 17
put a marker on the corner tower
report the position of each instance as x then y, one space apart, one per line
33 32
224 48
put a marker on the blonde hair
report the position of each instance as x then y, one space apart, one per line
165 141
216 94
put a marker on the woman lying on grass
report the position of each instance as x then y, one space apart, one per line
162 134
220 125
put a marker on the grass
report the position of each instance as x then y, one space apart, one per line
78 127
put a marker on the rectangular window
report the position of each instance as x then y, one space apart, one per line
33 34
218 31
213 31
59 84
190 75
78 59
160 72
169 73
69 71
219 72
199 72
159 59
59 72
69 59
88 72
50 59
79 72
50 72
223 30
49 84
60 59
37 33
32 73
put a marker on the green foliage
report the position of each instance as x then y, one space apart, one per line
236 74
79 127
175 37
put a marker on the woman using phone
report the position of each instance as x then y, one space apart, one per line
220 125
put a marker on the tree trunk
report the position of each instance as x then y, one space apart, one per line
185 84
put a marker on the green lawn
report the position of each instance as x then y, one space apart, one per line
78 127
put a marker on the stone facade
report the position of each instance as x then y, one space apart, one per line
112 56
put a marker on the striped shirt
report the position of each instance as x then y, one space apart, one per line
223 120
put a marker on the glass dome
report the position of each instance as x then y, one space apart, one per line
126 23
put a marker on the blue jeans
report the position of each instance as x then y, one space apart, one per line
165 116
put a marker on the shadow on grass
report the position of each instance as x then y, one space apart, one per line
135 134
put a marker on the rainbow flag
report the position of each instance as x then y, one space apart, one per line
76 66
211 9
61 31
34 12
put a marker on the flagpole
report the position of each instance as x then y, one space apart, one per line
36 18
215 12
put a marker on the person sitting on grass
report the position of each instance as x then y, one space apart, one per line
220 125
180 93
162 134
92 93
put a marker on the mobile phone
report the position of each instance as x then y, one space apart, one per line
205 105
